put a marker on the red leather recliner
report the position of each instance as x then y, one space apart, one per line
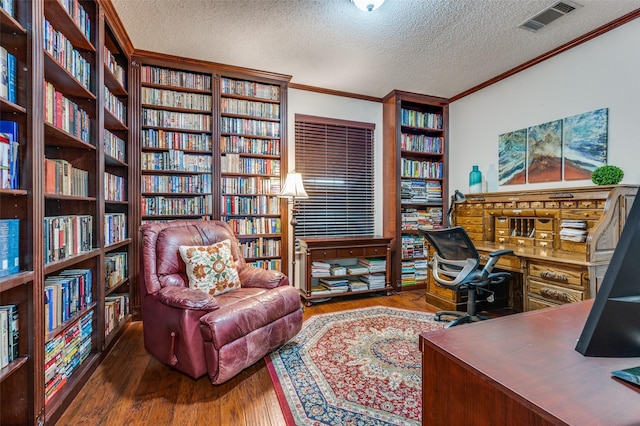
197 333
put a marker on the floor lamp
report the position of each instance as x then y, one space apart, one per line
293 190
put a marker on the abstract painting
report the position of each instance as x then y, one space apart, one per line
544 150
512 157
584 143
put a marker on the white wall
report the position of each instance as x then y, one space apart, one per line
601 73
322 105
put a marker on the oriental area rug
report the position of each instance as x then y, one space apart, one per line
359 367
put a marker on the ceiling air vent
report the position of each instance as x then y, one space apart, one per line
549 15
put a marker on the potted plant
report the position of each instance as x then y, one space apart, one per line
607 175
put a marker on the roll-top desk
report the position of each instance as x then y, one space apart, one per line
563 240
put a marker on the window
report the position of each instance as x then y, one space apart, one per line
335 158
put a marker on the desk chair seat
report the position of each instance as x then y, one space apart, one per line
456 265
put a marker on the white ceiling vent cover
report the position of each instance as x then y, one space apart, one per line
549 15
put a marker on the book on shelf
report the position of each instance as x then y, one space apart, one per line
337 269
9 334
7 6
8 77
9 129
9 246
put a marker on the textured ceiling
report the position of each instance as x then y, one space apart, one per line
434 47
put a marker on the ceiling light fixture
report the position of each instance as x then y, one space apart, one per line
367 5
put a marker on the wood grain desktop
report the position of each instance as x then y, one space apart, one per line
523 369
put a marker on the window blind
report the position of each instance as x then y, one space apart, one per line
336 160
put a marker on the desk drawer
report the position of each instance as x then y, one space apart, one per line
544 225
544 235
323 254
375 251
553 293
350 252
558 274
469 212
506 262
582 214
533 303
502 232
473 229
470 220
521 241
502 222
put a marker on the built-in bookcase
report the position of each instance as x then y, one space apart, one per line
250 165
415 180
66 108
176 144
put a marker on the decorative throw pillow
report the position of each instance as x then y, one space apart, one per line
211 268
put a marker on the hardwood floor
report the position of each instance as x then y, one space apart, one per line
132 388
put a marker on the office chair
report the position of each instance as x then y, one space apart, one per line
456 265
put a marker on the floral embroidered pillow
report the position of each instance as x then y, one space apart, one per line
211 268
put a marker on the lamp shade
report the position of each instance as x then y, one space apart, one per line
293 187
368 5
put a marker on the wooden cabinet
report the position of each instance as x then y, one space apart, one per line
562 239
415 128
355 264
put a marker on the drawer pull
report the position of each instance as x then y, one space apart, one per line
554 276
556 295
543 244
521 242
324 253
543 235
484 257
502 240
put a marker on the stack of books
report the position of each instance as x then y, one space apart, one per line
320 269
358 285
374 281
573 230
338 269
373 265
335 285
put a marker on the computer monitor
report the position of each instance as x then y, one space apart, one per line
613 325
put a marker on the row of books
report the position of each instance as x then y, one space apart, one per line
165 139
9 246
115 105
175 78
245 145
65 114
79 15
171 206
421 169
64 179
115 146
176 120
421 143
329 286
9 155
66 295
65 353
420 191
429 218
115 187
361 266
250 204
255 225
173 99
250 127
63 52
426 120
115 228
66 236
193 184
414 272
261 247
413 246
255 109
9 334
268 264
175 160
116 308
234 163
251 185
8 76
249 88
115 267
114 67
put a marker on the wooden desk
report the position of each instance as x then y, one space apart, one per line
523 370
549 269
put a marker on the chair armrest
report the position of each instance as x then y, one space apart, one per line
500 253
187 298
252 276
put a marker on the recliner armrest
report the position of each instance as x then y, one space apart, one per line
187 298
252 276
500 253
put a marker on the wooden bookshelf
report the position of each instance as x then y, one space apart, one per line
415 170
60 115
235 159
